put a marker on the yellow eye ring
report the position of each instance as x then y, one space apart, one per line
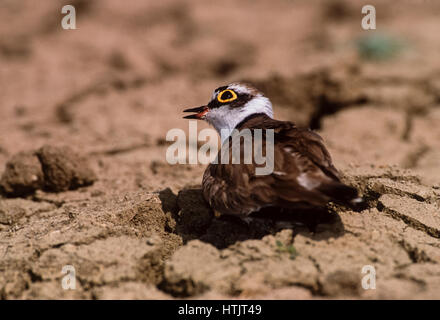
219 96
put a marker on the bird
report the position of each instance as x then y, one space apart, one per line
303 177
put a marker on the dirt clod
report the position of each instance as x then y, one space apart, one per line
50 168
64 169
23 175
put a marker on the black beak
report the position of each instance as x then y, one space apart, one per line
200 112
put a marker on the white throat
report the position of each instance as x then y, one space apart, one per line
226 119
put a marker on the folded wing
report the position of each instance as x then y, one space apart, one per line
303 173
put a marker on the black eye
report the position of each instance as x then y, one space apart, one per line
226 96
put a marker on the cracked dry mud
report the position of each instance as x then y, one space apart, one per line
143 230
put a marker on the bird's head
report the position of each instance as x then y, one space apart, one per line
230 105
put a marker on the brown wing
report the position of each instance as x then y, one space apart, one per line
303 173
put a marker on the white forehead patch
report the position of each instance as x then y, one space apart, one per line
239 88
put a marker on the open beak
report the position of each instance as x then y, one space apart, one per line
200 113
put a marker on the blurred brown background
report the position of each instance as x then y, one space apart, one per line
127 72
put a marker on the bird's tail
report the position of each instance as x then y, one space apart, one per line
342 194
